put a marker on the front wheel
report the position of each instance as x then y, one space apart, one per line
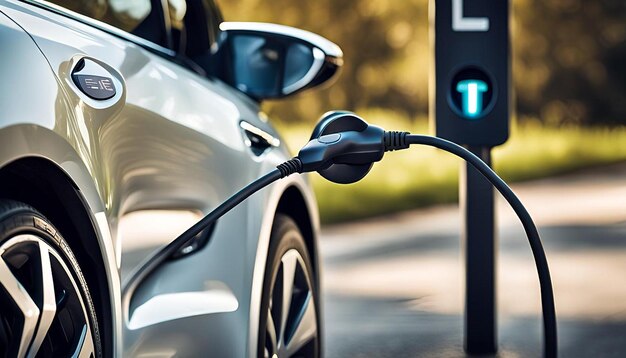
45 305
289 321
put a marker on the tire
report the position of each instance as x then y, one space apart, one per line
289 327
45 304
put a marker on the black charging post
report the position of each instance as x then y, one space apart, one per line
470 85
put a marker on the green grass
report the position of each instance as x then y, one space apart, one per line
424 176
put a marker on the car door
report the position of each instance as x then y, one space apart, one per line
168 151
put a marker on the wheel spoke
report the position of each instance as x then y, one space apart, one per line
24 302
49 303
306 327
289 260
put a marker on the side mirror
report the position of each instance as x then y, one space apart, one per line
268 61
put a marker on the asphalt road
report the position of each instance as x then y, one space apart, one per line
394 286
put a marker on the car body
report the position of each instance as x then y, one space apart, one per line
123 176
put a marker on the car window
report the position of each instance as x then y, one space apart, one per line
137 17
198 31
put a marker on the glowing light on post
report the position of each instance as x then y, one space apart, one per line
472 94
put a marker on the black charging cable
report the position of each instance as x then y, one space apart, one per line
343 148
402 140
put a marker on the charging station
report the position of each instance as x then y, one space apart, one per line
470 106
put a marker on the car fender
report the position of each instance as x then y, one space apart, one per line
31 141
272 199
34 123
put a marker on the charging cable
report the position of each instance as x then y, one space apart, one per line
343 148
545 283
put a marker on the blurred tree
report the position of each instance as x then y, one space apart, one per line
569 59
385 45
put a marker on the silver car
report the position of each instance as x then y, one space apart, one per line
122 123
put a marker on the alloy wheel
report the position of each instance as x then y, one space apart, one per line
42 312
291 329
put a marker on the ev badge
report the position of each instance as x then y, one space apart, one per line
93 80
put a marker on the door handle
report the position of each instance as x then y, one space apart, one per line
257 139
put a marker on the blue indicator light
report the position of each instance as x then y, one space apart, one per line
472 93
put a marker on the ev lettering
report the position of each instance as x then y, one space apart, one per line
466 24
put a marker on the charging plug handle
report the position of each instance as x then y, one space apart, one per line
350 147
